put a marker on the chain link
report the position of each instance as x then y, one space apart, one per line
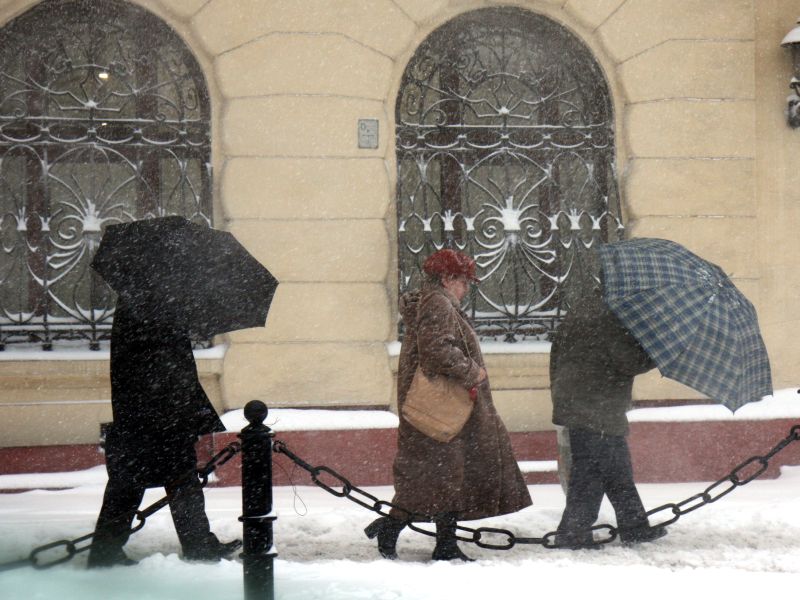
494 538
73 547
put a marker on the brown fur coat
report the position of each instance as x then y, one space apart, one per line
475 475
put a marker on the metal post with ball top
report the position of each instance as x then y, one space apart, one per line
257 513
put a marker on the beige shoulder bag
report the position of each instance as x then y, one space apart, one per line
438 406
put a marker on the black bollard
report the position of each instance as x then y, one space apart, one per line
257 517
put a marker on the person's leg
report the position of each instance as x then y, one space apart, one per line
618 482
120 501
622 493
187 505
387 530
446 540
584 490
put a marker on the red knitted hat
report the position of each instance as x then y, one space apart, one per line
450 263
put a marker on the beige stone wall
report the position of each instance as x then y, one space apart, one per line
690 134
704 158
777 177
301 195
49 402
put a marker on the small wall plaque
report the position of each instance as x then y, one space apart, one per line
368 133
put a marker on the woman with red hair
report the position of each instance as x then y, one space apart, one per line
475 474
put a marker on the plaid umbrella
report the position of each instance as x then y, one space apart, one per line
692 321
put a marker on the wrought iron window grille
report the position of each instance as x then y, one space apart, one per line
104 118
505 150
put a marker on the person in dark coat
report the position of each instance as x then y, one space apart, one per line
593 362
159 410
474 475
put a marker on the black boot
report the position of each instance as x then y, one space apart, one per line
211 549
446 541
641 534
387 530
576 541
108 557
113 528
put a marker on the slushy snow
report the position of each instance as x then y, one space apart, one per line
745 545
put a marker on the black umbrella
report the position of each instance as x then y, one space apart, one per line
174 273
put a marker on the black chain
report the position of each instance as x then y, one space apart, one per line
743 474
494 538
73 547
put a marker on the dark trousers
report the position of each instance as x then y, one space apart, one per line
601 465
121 500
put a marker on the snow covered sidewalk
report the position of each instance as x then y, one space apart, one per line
746 544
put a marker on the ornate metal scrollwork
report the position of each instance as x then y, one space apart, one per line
104 117
505 149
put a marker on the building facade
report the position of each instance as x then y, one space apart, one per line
343 141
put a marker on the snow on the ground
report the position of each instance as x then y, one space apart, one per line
76 350
310 419
65 479
527 347
745 545
784 404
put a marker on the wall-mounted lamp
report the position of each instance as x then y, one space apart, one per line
792 41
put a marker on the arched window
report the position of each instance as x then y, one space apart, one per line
505 149
104 117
